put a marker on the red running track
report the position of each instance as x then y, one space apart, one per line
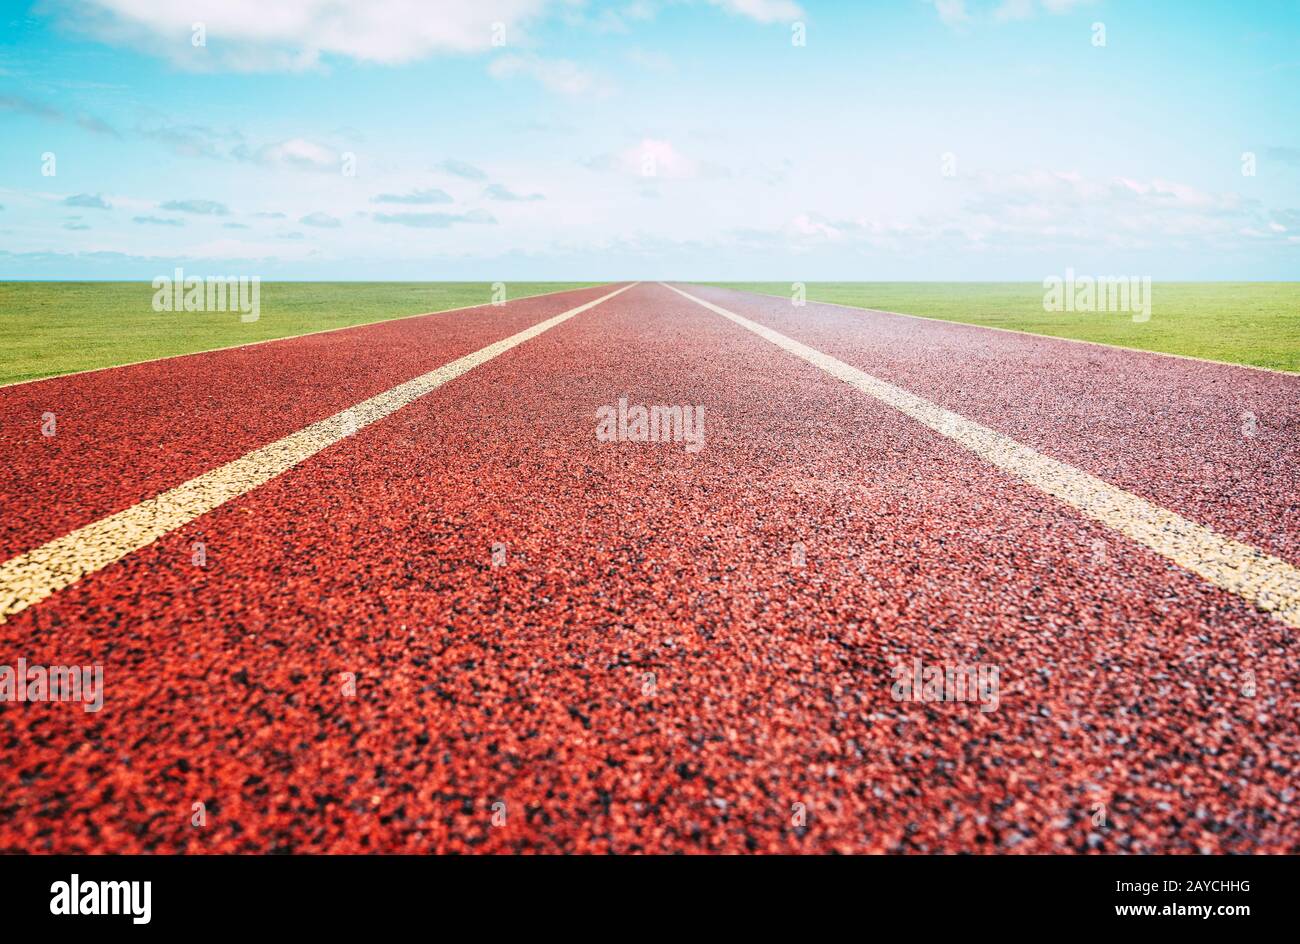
1169 429
129 433
652 669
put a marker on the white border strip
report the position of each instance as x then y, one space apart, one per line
1268 583
1031 334
29 578
289 337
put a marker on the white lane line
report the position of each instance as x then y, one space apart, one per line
31 577
1269 583
287 337
858 309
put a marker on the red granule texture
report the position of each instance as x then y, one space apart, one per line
652 670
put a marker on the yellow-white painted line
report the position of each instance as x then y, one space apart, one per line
33 576
1269 583
287 337
859 309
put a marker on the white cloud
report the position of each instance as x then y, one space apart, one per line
253 35
1060 211
93 200
291 35
421 196
462 169
651 61
656 158
558 75
200 207
504 193
295 153
434 220
1121 211
1063 6
765 11
321 220
951 12
603 16
1014 10
817 225
231 144
1024 9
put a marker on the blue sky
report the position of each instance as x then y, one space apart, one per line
688 139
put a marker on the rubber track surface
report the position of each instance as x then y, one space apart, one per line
652 669
127 434
1167 429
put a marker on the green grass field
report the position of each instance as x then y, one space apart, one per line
1242 322
49 328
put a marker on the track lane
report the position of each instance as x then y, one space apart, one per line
1267 582
526 684
1170 430
31 577
126 434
